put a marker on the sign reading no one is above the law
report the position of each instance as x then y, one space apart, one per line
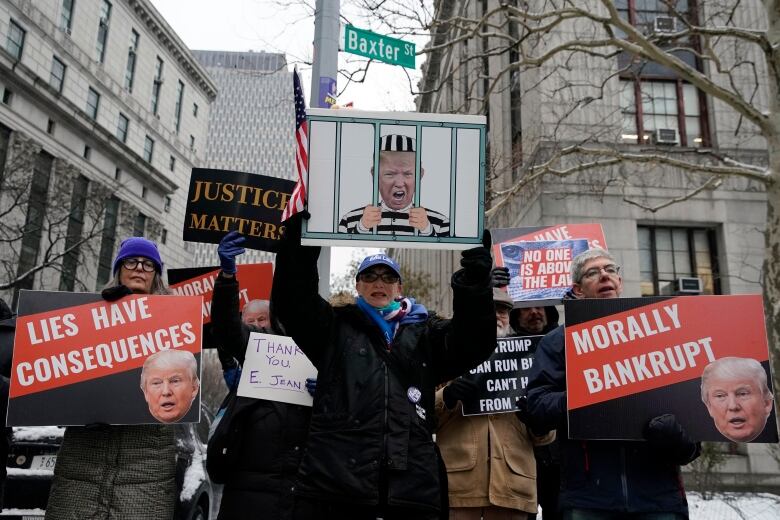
377 47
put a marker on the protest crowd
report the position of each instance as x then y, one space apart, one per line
386 435
380 408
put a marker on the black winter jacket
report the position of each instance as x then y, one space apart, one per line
273 434
368 440
620 476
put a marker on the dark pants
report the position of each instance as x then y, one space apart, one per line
322 510
598 514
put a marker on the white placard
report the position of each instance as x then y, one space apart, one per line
275 369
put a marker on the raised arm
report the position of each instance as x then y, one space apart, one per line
295 302
469 338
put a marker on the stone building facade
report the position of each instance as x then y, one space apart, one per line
535 113
104 112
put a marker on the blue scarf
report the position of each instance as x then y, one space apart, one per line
401 311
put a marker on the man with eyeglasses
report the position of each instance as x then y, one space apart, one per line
607 480
370 450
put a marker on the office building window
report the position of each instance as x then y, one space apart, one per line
139 225
7 95
172 163
148 149
194 110
102 36
93 102
132 53
177 108
144 192
669 253
50 125
5 142
66 15
122 127
34 220
167 206
107 241
662 112
15 42
157 84
87 153
70 261
57 79
164 237
118 174
192 142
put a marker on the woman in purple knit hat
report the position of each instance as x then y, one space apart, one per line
119 472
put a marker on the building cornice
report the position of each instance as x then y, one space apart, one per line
166 36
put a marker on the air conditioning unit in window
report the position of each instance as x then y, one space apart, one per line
665 136
664 25
684 285
688 285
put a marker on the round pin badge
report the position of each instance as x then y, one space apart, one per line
414 394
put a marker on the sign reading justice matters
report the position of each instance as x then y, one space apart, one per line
220 201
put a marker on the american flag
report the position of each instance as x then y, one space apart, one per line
295 204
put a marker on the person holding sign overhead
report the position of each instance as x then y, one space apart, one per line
603 480
370 449
489 458
270 436
397 214
106 472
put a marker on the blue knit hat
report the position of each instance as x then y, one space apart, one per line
379 259
138 246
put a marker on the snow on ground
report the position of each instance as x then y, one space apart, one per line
36 433
194 475
30 472
734 506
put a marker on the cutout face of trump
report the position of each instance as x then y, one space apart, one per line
169 381
737 397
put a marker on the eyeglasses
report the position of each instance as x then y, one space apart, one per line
372 277
132 263
610 270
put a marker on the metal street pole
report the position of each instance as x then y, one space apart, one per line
323 88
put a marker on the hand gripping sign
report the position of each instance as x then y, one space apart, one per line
81 360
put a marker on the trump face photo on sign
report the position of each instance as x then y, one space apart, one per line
169 381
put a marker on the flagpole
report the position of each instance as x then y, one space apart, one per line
323 90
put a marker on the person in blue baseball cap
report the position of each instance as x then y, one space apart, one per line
370 451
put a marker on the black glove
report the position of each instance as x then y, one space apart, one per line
522 409
458 390
499 277
112 294
293 226
668 436
477 264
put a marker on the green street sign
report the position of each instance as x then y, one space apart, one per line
378 47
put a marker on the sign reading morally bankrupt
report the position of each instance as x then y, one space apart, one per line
220 201
631 359
79 360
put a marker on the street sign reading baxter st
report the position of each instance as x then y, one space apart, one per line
377 47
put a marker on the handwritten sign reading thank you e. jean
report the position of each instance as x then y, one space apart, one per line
275 369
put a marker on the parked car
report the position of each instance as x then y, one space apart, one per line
33 455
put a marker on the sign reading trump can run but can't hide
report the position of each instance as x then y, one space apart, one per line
77 358
629 360
275 369
502 378
220 201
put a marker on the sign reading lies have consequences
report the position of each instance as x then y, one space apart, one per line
377 47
